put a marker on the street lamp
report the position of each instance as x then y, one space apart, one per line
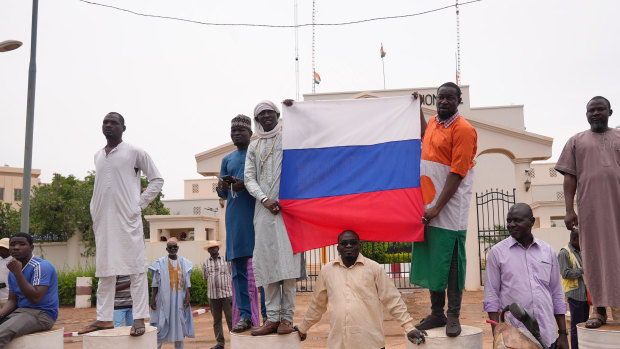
9 45
32 77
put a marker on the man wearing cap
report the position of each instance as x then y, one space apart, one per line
4 271
217 273
239 220
276 268
171 284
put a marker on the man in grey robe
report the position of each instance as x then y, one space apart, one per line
276 268
590 163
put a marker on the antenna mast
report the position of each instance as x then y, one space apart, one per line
458 46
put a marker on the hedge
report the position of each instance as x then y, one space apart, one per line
67 281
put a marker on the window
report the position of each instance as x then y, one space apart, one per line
196 211
1 194
552 172
559 195
213 187
17 195
195 188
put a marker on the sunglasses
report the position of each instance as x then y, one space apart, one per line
175 247
344 243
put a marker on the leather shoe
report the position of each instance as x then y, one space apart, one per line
285 327
453 327
431 321
267 328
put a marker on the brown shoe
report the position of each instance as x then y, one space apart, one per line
267 328
285 327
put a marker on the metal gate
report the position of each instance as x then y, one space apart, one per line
491 209
395 257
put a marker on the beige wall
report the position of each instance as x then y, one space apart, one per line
66 255
203 188
12 178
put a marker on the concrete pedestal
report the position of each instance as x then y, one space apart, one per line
119 338
604 337
470 338
273 341
83 291
52 339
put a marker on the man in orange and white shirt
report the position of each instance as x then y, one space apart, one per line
449 145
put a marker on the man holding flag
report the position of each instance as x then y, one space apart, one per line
276 268
446 177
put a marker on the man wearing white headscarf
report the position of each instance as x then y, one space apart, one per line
276 268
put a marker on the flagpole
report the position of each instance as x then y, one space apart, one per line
383 63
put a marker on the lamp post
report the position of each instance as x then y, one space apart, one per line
32 74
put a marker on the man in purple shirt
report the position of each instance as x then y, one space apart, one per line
524 269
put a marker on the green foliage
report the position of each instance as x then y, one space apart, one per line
500 233
198 294
67 281
10 220
62 208
387 252
399 257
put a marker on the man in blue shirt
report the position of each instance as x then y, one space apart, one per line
33 292
239 219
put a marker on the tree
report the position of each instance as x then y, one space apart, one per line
10 220
62 208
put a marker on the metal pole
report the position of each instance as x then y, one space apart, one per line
32 75
383 63
296 55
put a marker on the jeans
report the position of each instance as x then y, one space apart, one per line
455 295
240 280
280 300
579 312
123 317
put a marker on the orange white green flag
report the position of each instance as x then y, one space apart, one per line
317 78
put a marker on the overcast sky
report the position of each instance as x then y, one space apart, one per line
178 84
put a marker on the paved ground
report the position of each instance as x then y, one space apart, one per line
417 302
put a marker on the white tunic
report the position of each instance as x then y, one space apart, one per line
116 209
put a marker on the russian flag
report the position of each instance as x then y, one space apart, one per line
351 164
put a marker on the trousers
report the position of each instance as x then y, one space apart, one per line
455 295
280 300
139 295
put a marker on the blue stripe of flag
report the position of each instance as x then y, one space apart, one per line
335 171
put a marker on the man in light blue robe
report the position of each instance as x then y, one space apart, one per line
171 312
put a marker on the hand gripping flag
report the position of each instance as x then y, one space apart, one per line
351 164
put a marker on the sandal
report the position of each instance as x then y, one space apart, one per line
242 326
431 321
94 327
596 320
137 331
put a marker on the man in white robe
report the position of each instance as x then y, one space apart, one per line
116 208
171 313
276 268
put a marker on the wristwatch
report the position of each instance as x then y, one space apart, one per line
564 332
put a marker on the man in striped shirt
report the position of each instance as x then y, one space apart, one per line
217 273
